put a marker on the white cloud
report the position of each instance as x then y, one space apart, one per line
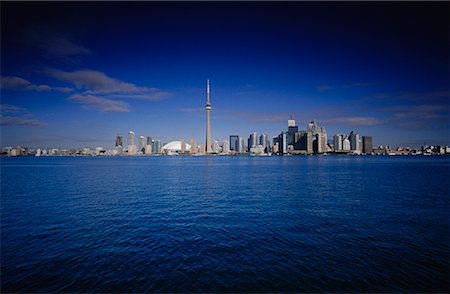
100 103
7 108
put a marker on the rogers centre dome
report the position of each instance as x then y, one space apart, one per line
174 146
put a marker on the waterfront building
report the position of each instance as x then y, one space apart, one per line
283 144
252 141
208 123
193 146
202 149
354 141
337 142
320 143
367 145
241 148
183 146
303 142
148 149
132 148
264 141
225 147
234 143
119 141
216 147
149 140
292 129
346 144
156 146
174 148
312 127
141 144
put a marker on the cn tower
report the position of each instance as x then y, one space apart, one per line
208 124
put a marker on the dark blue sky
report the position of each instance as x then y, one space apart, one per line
78 74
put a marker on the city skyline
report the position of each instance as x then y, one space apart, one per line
72 83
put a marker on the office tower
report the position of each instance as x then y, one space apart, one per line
367 144
216 147
252 141
119 141
193 146
264 141
208 124
312 127
354 141
337 142
346 144
156 146
303 142
149 140
292 129
141 144
291 122
225 147
183 146
148 149
132 149
234 143
282 143
241 148
319 145
131 138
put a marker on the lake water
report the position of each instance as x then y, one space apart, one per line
225 224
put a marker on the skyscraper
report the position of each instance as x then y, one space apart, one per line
264 141
216 147
292 129
367 144
354 141
208 123
282 143
193 146
141 144
337 142
225 147
119 141
234 143
131 146
131 138
252 141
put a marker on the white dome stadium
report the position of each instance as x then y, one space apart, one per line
174 146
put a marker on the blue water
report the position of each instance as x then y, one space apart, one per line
225 224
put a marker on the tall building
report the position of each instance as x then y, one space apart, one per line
148 149
354 141
367 145
282 143
234 143
141 144
193 146
225 147
264 141
149 140
312 127
241 148
216 147
303 142
208 123
292 129
252 141
132 149
337 142
119 141
346 144
130 138
156 146
183 146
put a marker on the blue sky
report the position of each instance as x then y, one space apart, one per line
78 74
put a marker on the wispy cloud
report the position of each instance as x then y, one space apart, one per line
94 82
326 87
19 121
7 108
100 103
18 83
354 121
411 96
418 112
